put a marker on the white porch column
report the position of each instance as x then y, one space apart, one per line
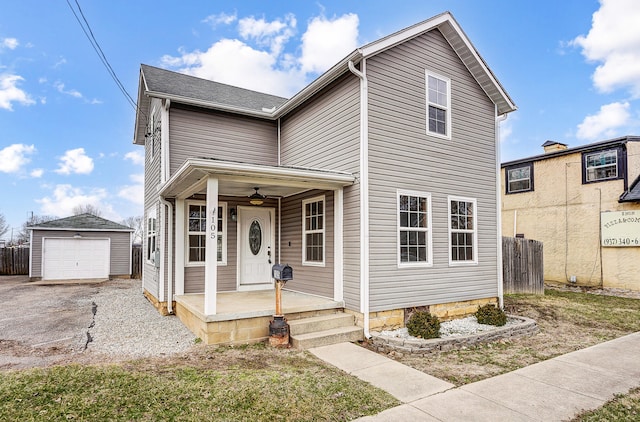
180 242
211 252
338 242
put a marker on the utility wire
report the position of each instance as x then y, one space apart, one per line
86 28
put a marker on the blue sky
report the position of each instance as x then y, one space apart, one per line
572 67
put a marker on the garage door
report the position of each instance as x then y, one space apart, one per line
74 258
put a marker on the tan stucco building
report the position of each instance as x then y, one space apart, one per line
583 203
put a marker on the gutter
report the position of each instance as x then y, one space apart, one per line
364 195
499 118
167 217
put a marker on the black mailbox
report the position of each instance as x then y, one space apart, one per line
282 272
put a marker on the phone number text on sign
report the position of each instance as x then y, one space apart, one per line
625 241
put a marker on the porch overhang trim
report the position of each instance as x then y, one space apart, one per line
195 169
212 105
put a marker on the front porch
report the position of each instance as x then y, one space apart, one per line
243 317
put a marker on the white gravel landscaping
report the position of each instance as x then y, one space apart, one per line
456 327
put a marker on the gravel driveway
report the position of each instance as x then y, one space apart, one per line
41 325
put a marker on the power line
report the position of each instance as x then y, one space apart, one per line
86 28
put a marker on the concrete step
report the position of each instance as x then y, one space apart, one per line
320 323
327 337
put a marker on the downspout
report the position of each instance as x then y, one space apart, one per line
168 217
499 118
164 143
364 195
279 141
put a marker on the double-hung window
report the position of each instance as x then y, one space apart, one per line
313 229
414 229
151 234
197 231
520 178
463 231
438 105
600 165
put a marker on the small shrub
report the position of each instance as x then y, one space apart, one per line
491 314
424 325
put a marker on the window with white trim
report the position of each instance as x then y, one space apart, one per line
414 229
151 228
197 232
601 165
313 226
438 105
462 231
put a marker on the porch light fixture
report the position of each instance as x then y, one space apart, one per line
232 214
256 198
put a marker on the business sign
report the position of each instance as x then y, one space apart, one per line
620 228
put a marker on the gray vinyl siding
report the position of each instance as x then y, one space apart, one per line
150 275
324 133
198 133
403 156
227 274
120 249
306 278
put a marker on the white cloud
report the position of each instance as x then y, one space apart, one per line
506 129
258 61
36 173
137 157
75 161
72 92
328 41
605 123
65 198
13 157
220 18
10 43
614 42
10 93
134 193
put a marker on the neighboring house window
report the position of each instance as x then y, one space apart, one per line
519 179
313 224
197 232
152 234
438 105
414 228
600 165
463 229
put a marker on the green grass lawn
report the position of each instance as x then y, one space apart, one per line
256 384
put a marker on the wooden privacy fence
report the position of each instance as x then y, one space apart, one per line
522 266
136 261
14 261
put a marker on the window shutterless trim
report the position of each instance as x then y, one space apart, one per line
506 178
453 263
317 231
428 230
446 109
621 165
221 233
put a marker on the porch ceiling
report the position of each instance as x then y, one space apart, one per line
239 179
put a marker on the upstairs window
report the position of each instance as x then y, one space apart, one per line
520 178
414 229
600 165
438 105
313 226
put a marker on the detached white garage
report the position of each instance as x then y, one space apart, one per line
80 247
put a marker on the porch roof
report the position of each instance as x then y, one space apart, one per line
236 178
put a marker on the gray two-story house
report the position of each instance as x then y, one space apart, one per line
377 183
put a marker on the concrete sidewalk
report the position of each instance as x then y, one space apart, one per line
553 390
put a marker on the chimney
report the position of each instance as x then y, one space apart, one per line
553 146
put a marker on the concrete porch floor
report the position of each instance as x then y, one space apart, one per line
243 317
251 304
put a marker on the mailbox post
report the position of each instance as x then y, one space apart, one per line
278 327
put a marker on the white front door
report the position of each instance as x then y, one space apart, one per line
256 247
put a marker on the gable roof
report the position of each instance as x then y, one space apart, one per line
201 92
82 222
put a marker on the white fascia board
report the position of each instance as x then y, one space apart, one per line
211 105
68 229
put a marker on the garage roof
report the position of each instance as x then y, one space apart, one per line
82 222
